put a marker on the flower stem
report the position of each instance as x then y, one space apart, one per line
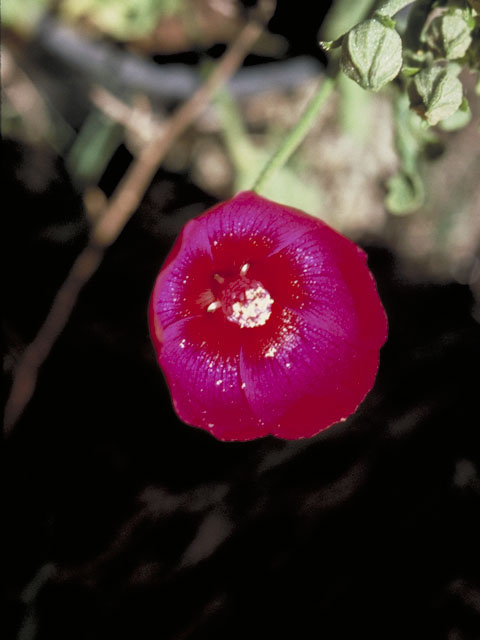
298 133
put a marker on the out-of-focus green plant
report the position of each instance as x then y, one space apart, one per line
286 185
126 20
93 148
354 109
23 14
122 19
423 52
405 190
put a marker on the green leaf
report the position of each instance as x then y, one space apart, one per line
371 54
459 119
450 35
390 7
93 148
469 18
408 71
405 193
343 15
405 190
435 93
385 20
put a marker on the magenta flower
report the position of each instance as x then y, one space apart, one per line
265 321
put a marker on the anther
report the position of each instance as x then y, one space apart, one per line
214 306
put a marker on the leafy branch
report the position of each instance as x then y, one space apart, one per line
422 53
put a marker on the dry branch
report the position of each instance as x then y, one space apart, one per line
118 211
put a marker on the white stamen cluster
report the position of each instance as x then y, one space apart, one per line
254 310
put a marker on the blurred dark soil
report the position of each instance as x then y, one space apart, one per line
124 522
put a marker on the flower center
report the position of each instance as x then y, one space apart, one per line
243 300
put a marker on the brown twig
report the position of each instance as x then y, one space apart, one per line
142 123
118 211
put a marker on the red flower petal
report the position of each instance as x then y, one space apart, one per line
265 320
205 384
311 365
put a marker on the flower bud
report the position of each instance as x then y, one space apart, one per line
450 35
372 54
435 93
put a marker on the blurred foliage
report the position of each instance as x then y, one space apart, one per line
287 185
23 14
155 26
366 146
406 192
93 148
126 20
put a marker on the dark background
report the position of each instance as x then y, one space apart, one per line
123 522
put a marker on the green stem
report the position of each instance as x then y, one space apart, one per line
391 7
298 133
